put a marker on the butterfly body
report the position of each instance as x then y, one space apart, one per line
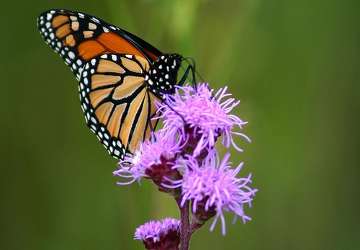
121 77
162 73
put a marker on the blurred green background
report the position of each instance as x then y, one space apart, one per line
293 64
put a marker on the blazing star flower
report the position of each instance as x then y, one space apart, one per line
214 187
154 160
160 235
200 117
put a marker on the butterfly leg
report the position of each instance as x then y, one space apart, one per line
186 74
193 71
184 77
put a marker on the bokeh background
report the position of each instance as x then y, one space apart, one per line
293 64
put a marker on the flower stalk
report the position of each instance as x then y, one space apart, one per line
185 229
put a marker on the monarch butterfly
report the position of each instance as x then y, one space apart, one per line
120 76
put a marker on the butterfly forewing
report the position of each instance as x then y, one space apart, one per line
79 37
116 102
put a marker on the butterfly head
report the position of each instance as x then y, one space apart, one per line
162 76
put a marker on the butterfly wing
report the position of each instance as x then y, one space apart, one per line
117 104
110 64
79 37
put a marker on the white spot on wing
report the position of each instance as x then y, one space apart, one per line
92 26
93 127
71 55
95 20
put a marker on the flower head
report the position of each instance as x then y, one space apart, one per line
159 235
214 187
154 159
200 116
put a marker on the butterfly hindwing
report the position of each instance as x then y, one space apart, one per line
116 102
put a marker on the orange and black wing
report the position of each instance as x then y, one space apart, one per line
79 37
116 102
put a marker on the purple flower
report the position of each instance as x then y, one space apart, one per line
199 116
154 159
214 188
159 235
181 159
